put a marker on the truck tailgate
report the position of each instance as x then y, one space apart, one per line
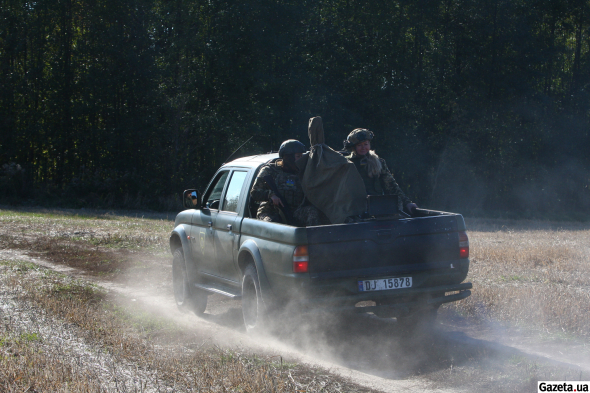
383 247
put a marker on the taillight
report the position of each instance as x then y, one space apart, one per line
463 245
300 259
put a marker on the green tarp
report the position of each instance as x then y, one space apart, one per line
330 182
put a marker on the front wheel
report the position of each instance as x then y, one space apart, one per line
187 297
253 307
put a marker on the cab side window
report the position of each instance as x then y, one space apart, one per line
213 199
234 189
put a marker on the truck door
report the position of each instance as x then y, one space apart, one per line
227 227
203 222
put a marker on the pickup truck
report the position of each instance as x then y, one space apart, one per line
400 267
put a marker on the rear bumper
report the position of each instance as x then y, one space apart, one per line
402 309
392 303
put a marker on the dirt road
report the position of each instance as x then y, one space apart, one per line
458 355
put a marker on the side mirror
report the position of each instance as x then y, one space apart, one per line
191 199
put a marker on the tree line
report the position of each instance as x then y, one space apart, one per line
477 105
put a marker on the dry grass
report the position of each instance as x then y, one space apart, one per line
114 247
101 229
534 274
526 273
108 348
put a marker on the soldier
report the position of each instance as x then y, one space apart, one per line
284 178
377 177
194 198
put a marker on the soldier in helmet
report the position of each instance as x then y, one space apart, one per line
373 169
284 178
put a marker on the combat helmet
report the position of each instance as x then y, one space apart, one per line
357 135
291 146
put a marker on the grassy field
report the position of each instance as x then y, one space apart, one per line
533 274
530 274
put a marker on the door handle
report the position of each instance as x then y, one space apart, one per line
210 224
229 227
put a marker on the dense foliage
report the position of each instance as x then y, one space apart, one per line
476 104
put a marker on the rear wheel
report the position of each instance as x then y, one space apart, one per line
253 307
186 296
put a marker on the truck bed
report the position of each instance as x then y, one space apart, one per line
393 246
424 248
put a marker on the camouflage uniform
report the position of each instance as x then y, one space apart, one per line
384 184
289 186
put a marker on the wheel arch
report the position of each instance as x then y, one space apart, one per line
175 243
179 239
249 253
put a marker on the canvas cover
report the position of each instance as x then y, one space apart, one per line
330 182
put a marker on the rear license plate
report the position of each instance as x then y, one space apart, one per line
383 284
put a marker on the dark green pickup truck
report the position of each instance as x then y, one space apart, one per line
407 266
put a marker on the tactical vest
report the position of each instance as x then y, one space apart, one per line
372 184
289 186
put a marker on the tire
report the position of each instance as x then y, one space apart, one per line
186 296
253 307
421 321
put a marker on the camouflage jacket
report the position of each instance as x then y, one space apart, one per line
384 184
288 185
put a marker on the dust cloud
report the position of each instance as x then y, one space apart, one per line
372 351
